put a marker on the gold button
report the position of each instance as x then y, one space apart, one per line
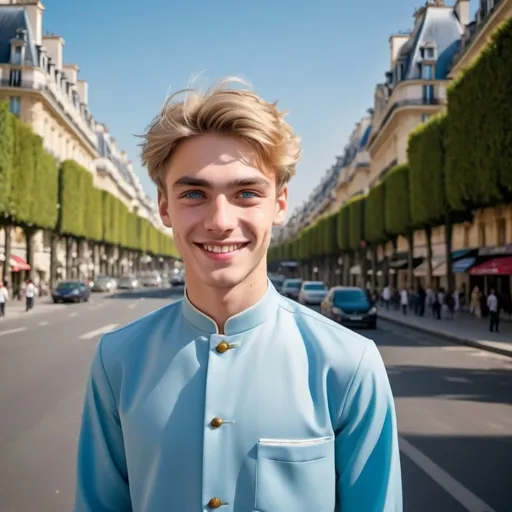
222 347
214 503
216 422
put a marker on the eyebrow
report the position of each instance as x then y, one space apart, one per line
187 181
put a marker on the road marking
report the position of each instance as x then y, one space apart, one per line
132 306
97 332
12 331
461 380
454 488
72 314
44 323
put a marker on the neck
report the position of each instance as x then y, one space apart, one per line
220 304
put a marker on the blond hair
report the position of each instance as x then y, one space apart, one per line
240 113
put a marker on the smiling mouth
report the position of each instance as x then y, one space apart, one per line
222 249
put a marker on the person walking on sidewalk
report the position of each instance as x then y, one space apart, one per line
233 398
30 293
4 297
404 300
494 312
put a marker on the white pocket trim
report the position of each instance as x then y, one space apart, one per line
294 442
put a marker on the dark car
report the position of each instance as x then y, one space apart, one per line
71 291
350 306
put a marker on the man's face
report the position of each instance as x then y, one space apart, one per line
221 208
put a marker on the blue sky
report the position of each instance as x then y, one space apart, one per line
320 59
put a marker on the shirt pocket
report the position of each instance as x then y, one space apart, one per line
295 475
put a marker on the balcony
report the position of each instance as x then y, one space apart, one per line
53 99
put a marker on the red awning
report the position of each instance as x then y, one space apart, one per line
18 264
494 267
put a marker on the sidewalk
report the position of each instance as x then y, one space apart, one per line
466 330
16 308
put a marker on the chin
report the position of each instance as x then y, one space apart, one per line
223 278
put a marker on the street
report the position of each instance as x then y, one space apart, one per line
453 402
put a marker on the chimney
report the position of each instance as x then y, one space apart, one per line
396 42
54 45
83 90
462 10
71 71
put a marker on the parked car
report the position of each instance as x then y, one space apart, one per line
312 292
71 291
277 280
177 278
350 306
151 279
128 283
291 288
104 284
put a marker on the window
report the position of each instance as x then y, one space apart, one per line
482 237
15 78
16 58
15 105
428 94
467 232
427 72
429 53
501 229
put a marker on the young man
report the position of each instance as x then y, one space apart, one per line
233 398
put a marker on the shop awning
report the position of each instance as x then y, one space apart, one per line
462 265
494 267
18 264
422 269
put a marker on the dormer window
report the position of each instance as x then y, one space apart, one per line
428 52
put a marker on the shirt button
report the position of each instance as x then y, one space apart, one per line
214 503
216 422
222 347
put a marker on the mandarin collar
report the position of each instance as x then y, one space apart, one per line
239 323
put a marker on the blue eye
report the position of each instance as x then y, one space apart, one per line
194 194
247 194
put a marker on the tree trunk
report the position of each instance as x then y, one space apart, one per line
448 232
374 267
69 257
29 245
54 239
410 259
7 254
428 236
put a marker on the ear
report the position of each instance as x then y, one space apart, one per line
163 209
281 205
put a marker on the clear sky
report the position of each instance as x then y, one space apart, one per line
321 59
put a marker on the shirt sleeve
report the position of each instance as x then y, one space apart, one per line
367 453
102 479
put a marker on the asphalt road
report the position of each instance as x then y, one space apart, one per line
454 408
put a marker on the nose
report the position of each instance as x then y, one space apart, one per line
221 217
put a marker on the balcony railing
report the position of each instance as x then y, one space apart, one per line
29 85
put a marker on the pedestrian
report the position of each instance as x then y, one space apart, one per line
494 312
404 300
4 297
234 397
30 293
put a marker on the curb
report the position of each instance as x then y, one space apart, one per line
450 337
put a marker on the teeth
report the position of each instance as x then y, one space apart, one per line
221 248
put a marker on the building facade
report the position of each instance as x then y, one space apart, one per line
441 44
47 93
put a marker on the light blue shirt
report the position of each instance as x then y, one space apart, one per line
302 410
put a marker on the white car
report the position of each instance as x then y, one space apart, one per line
291 288
312 292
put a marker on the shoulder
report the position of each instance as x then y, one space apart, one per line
340 346
128 341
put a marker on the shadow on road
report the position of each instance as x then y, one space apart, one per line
477 385
482 464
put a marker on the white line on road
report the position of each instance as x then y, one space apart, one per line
73 314
132 306
44 323
12 331
454 488
97 332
